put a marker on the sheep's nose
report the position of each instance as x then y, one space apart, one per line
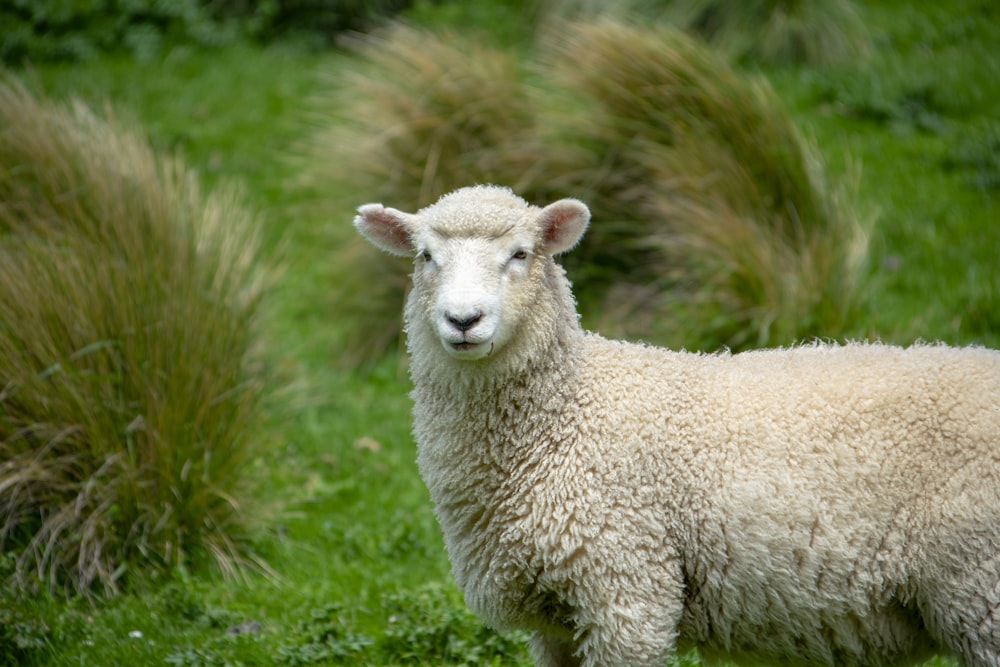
465 322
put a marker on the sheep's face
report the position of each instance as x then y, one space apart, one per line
479 260
470 289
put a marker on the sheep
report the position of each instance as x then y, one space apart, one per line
822 504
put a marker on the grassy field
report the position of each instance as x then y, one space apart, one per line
360 575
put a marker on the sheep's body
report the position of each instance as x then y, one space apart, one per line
831 505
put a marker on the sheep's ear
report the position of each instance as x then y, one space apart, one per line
387 229
563 224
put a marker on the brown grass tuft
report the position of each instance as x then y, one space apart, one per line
739 239
130 380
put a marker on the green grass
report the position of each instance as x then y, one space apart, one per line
357 540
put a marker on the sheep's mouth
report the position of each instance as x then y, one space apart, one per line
467 349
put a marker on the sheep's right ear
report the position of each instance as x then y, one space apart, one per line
563 224
387 229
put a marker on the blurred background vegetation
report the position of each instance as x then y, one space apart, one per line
81 30
204 433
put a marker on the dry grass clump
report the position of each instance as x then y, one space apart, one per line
713 223
129 382
810 32
739 238
422 111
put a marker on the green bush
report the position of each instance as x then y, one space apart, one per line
55 30
130 374
317 20
50 30
777 32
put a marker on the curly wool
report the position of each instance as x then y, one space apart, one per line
825 504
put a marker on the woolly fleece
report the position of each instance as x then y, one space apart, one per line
820 505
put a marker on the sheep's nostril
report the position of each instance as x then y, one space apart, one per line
463 324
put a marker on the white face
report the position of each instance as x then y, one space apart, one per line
481 255
469 284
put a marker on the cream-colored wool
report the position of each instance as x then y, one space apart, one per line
827 505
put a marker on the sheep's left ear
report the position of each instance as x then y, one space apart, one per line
387 229
563 224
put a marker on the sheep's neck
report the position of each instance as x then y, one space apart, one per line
471 441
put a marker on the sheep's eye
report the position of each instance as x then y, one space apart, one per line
426 255
520 254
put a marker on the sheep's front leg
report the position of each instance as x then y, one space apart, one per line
627 642
631 619
552 651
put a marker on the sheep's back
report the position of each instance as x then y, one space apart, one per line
846 415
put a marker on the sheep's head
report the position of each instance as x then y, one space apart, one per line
479 256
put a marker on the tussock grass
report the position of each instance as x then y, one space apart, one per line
714 223
130 376
738 236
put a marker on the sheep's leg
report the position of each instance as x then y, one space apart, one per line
633 639
552 651
965 612
972 630
630 638
634 625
